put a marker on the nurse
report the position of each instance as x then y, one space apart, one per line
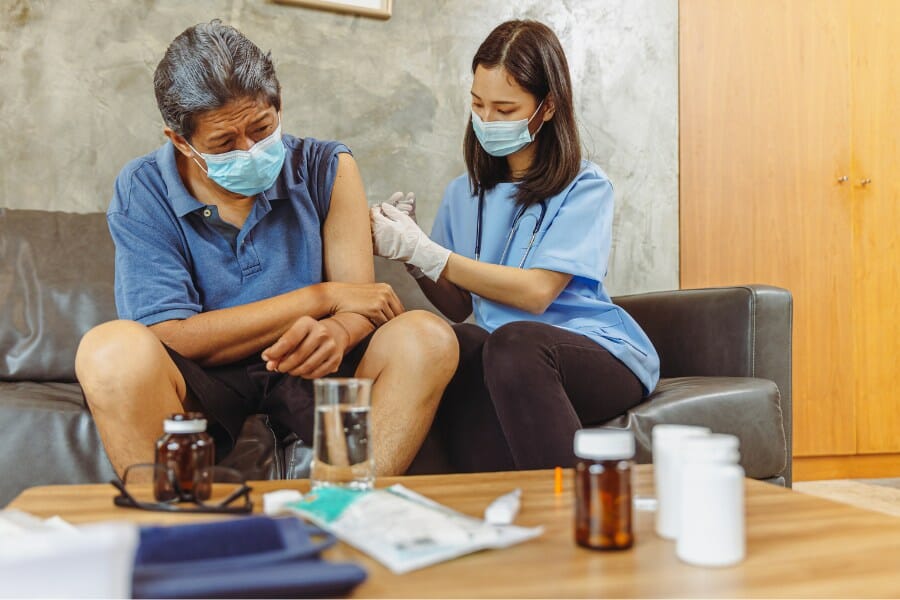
523 241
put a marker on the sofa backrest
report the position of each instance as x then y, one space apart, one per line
56 282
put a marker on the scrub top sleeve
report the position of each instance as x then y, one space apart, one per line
152 278
578 239
441 230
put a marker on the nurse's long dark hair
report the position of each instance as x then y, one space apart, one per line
531 53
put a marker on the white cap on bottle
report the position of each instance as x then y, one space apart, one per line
604 444
666 431
713 448
184 426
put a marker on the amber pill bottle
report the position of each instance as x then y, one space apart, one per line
184 449
603 489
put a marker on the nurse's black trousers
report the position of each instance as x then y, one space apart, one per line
521 392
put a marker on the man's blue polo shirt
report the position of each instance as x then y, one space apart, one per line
171 260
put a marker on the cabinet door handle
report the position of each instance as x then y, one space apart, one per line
865 181
842 179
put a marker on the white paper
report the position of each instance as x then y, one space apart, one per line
53 559
274 503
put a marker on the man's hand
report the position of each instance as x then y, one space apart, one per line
376 301
308 349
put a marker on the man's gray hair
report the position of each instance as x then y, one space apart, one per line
205 68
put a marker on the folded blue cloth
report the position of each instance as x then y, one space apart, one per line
239 558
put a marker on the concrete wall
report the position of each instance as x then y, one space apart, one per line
77 99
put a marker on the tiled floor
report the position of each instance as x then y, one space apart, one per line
882 495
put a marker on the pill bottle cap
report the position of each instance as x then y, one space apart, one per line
185 423
717 448
667 432
604 444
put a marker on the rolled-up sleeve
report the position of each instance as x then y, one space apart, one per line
441 230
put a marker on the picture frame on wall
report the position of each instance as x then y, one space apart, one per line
377 9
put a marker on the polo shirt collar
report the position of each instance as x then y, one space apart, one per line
182 201
279 189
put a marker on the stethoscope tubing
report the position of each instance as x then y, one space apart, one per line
515 223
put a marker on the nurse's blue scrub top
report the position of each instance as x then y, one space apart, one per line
575 238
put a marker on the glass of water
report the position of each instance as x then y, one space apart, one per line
342 452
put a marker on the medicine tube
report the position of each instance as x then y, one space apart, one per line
603 489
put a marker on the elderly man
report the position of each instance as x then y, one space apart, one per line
244 270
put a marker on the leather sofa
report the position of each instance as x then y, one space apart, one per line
725 355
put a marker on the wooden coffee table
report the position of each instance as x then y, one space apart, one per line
797 545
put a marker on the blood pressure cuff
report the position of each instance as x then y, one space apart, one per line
251 557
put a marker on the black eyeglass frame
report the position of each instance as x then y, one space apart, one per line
177 504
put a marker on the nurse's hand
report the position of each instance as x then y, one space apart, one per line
405 204
397 236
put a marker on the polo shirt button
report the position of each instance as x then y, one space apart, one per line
207 212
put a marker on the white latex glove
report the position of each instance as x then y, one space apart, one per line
397 237
407 204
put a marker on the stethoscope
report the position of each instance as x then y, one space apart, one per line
512 230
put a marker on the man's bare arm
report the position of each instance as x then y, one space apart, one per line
229 334
347 241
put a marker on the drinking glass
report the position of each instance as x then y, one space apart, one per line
342 452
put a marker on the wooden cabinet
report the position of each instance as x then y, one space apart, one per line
790 175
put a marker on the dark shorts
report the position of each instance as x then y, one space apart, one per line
228 394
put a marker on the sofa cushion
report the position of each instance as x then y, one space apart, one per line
743 406
56 282
48 437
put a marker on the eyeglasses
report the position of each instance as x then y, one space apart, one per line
156 487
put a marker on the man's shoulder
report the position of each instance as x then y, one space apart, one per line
310 148
139 176
143 166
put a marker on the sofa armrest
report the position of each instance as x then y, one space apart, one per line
738 331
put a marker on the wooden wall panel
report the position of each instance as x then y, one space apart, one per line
858 466
764 137
875 73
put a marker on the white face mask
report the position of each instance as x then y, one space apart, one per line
502 138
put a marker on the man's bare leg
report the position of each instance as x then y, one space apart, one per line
131 385
411 358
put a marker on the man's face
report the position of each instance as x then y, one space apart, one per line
236 126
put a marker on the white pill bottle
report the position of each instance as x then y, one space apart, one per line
711 531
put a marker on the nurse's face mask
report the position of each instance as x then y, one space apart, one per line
246 172
502 138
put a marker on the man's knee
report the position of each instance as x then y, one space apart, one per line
113 352
422 339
